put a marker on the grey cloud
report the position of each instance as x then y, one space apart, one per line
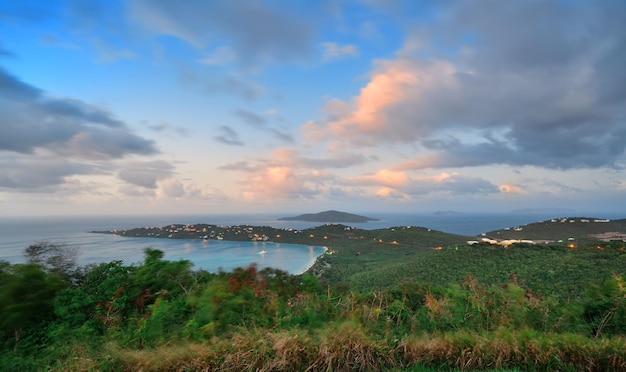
39 174
342 160
108 144
258 121
72 108
284 137
251 118
13 89
546 77
161 127
173 188
220 84
131 190
338 193
460 185
554 148
455 185
259 31
145 174
241 165
235 85
560 187
228 136
47 140
30 120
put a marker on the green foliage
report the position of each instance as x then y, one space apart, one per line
547 269
605 307
405 305
26 295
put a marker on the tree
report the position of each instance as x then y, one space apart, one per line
59 259
26 294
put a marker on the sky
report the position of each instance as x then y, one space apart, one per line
219 106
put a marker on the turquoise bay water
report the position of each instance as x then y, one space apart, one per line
17 233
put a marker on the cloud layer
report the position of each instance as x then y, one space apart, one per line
46 140
533 84
362 102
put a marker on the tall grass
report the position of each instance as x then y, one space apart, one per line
347 346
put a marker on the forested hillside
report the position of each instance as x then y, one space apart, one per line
402 298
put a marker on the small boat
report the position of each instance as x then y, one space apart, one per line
262 252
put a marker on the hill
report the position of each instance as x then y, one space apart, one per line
582 229
330 216
398 298
383 258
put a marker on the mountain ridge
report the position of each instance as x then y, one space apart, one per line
330 216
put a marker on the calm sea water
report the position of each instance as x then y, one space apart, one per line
17 233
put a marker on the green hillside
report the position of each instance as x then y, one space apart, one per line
382 258
580 228
396 299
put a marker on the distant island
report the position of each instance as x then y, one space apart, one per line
330 216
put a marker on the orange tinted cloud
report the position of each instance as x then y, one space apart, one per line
367 117
385 177
510 188
389 193
278 181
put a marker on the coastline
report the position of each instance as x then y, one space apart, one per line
313 262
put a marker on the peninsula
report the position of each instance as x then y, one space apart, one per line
330 216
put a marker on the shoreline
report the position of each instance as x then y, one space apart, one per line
313 262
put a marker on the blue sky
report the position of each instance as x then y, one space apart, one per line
155 106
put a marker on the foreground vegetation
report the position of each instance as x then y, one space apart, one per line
378 304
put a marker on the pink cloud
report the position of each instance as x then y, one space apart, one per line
510 188
384 177
373 115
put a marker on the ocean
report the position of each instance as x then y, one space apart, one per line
20 232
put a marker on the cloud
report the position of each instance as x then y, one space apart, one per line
466 185
251 118
529 84
228 136
46 141
291 159
110 53
39 173
163 126
171 187
31 120
242 166
260 122
145 173
334 50
384 177
287 174
510 188
231 83
259 32
398 184
337 160
282 182
221 56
